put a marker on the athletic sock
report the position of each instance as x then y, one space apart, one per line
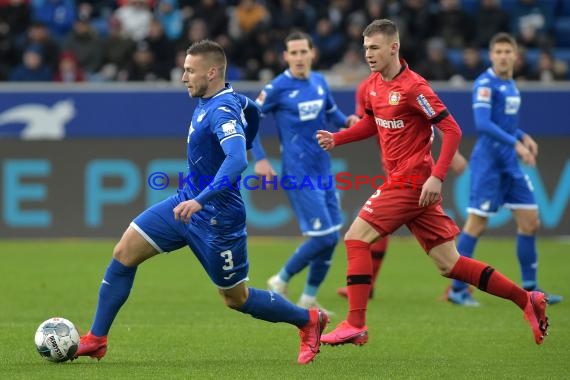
489 280
358 280
465 245
271 307
113 293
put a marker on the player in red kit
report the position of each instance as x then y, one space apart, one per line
401 109
378 248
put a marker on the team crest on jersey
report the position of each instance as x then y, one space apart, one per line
201 116
320 90
483 94
424 104
261 98
394 98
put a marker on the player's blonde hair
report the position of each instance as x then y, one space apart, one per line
503 38
382 26
212 51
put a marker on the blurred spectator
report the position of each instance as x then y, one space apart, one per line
162 49
178 69
354 28
39 35
336 11
57 15
68 69
549 69
142 67
196 30
453 24
328 42
531 24
216 14
437 66
523 70
135 17
32 68
170 17
490 20
247 17
415 24
117 51
352 69
373 9
14 17
472 65
9 53
285 16
84 43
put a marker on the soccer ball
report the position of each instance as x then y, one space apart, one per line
57 339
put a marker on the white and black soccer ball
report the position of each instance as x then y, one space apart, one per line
57 339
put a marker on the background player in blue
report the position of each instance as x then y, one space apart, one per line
496 177
302 104
209 217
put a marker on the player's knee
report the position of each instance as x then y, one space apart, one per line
234 301
529 226
124 254
329 240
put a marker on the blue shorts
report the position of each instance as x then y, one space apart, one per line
491 189
318 211
219 245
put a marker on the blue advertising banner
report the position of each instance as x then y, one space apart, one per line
127 111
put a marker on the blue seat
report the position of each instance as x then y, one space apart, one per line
470 6
508 5
562 31
564 8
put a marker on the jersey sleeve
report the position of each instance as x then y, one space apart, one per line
227 125
482 99
426 101
267 99
251 113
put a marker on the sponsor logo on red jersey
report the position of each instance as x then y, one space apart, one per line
426 107
390 124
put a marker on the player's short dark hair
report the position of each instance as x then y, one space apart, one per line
381 26
212 50
502 38
297 35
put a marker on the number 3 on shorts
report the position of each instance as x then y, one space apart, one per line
228 259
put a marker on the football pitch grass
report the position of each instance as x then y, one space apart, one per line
175 326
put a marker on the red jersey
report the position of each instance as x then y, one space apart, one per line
402 112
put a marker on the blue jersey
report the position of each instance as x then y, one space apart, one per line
216 133
301 107
496 104
496 177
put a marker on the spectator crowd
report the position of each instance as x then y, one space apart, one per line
146 40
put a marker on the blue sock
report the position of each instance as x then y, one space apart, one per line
526 253
271 307
465 245
306 252
113 293
318 269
